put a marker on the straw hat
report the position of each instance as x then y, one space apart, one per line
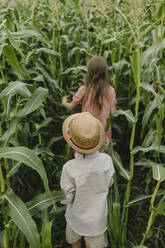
83 132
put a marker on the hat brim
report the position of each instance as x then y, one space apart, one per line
67 137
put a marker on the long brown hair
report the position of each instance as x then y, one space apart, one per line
96 79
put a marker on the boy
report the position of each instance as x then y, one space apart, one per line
85 182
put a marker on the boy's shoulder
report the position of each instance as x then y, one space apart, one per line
102 158
69 162
106 159
105 155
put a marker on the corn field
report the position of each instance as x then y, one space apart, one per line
44 49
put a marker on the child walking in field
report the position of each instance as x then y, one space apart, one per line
96 95
85 182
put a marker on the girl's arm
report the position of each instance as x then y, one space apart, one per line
76 99
113 109
69 105
113 100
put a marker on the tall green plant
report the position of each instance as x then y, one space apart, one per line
136 74
159 175
12 205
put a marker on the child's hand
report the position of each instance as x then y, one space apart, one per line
67 104
64 100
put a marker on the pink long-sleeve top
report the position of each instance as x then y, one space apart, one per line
108 102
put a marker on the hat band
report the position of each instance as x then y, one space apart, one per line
82 147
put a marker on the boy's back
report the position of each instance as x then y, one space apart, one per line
85 182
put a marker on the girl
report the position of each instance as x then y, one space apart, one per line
96 95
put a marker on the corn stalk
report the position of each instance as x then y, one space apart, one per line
136 74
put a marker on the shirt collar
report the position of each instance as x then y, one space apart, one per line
94 154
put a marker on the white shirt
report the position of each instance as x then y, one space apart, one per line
85 183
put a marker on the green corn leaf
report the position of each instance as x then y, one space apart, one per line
118 66
128 114
27 157
1 47
24 91
113 55
20 215
108 123
140 246
154 49
33 102
113 224
76 2
162 90
160 210
39 78
15 44
142 198
147 163
118 163
14 169
109 41
157 148
136 67
42 150
129 45
24 34
158 172
47 76
124 18
46 235
10 54
43 124
22 241
47 50
81 50
12 58
150 138
13 88
147 113
144 26
62 1
149 88
78 68
1 238
161 10
115 221
9 132
46 230
53 140
138 199
43 201
66 38
2 86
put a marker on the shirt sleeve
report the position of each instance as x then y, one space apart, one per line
111 172
67 186
77 98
